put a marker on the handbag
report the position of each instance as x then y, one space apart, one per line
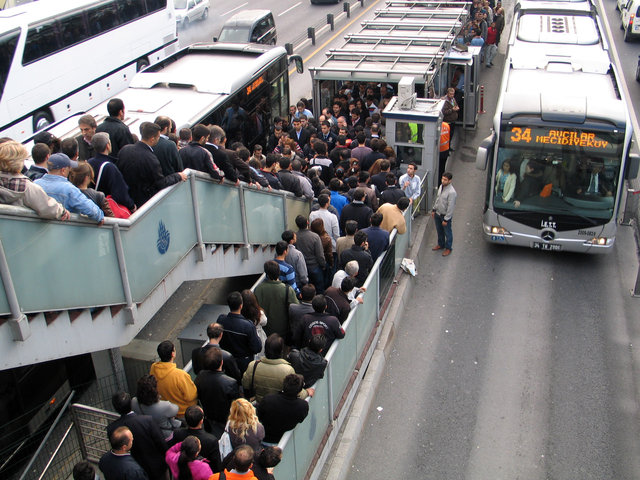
119 211
224 444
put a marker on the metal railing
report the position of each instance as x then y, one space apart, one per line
347 361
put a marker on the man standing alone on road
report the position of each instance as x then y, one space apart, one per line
443 212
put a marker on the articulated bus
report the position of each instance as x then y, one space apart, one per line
240 87
58 57
559 152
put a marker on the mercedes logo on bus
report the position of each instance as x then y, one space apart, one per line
548 236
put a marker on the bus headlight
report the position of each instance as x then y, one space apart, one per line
599 241
492 230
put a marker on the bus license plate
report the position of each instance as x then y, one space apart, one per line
554 247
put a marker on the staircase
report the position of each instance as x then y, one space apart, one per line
71 287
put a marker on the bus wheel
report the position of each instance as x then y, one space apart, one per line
142 63
638 72
41 120
627 35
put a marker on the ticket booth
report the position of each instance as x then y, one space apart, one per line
461 69
413 130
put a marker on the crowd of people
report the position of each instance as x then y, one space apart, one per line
264 357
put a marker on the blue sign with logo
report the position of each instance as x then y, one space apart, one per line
164 238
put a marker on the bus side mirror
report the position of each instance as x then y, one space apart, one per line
633 165
483 151
297 59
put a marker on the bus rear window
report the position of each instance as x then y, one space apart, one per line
7 50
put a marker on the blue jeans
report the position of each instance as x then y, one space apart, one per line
445 235
316 276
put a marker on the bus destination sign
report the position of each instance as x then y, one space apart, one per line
556 136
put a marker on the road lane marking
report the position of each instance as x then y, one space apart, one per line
289 9
234 9
336 34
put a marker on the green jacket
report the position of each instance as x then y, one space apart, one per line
269 377
273 298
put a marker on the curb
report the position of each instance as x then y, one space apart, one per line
345 448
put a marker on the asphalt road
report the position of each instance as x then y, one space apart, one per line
509 364
292 18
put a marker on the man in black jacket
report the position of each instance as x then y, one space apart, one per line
108 178
240 337
356 210
149 447
309 361
318 322
358 252
167 150
289 182
119 133
196 157
118 463
216 391
215 145
270 172
282 411
229 365
141 168
209 449
393 192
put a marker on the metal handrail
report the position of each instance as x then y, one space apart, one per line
46 437
423 192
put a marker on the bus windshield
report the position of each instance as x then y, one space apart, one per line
557 170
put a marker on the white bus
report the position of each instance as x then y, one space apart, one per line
559 153
59 57
200 84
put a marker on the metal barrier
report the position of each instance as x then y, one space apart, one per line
91 428
347 361
424 198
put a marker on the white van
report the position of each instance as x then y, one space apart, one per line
630 19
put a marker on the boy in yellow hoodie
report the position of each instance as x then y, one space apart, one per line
174 384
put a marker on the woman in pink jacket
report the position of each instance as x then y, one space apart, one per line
183 463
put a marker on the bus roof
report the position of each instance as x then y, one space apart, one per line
558 28
181 88
569 6
194 68
34 12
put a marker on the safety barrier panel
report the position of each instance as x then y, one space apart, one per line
301 445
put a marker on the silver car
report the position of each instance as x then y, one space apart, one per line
189 10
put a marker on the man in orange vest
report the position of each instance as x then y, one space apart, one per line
445 139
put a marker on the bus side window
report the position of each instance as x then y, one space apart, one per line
7 51
73 30
130 10
102 19
153 5
42 40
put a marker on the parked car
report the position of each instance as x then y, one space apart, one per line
629 20
249 26
638 70
189 10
